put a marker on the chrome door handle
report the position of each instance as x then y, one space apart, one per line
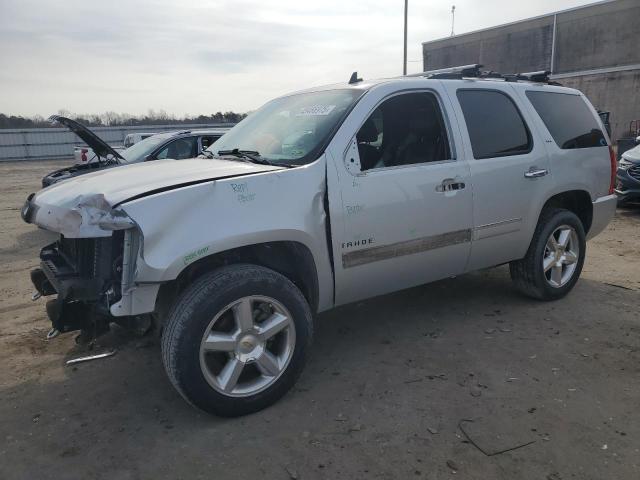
449 185
535 173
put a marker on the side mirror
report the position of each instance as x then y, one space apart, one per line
352 158
637 140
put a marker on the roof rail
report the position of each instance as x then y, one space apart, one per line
474 71
471 70
541 76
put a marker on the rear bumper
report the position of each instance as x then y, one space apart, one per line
604 208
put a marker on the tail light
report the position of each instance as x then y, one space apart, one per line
83 154
614 167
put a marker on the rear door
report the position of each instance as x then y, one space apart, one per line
509 170
574 139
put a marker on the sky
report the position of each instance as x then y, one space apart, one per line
195 57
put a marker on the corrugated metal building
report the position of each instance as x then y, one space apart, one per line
595 48
58 142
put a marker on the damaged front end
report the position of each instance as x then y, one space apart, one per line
88 267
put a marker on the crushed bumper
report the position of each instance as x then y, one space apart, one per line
80 273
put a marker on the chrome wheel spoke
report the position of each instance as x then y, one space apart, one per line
268 365
563 238
552 245
273 325
219 342
556 275
570 258
243 314
548 262
230 374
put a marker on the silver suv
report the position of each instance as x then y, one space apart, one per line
321 198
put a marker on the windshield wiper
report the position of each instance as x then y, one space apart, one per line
107 160
252 156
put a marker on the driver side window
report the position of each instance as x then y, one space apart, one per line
179 149
405 129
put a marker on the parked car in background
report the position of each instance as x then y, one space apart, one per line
318 199
628 176
176 145
133 138
87 155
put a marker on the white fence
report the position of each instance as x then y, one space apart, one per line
58 143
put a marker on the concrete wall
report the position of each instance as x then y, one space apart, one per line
598 36
618 93
521 47
601 36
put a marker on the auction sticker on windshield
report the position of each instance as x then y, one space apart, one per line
315 110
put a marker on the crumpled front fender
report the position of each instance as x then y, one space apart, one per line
87 216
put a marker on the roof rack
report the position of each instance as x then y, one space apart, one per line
471 70
474 71
541 76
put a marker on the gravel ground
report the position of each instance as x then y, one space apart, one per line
431 382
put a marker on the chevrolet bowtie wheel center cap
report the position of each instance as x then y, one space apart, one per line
247 344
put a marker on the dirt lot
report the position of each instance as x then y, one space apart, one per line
384 395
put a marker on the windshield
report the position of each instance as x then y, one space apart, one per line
293 129
139 151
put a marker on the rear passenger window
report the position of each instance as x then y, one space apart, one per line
568 119
496 128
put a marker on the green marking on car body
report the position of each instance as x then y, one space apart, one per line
195 254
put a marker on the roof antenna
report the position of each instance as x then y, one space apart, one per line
354 78
453 18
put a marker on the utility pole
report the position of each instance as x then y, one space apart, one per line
453 18
404 63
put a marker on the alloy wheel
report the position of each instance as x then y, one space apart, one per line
561 254
247 346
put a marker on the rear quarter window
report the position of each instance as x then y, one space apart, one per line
568 118
495 126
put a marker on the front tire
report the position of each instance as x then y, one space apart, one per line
236 340
555 257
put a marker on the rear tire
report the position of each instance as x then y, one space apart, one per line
236 340
555 257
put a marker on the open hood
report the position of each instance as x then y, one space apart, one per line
79 206
99 146
74 171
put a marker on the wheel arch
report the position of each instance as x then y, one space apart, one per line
292 259
576 201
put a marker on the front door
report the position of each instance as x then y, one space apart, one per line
405 213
